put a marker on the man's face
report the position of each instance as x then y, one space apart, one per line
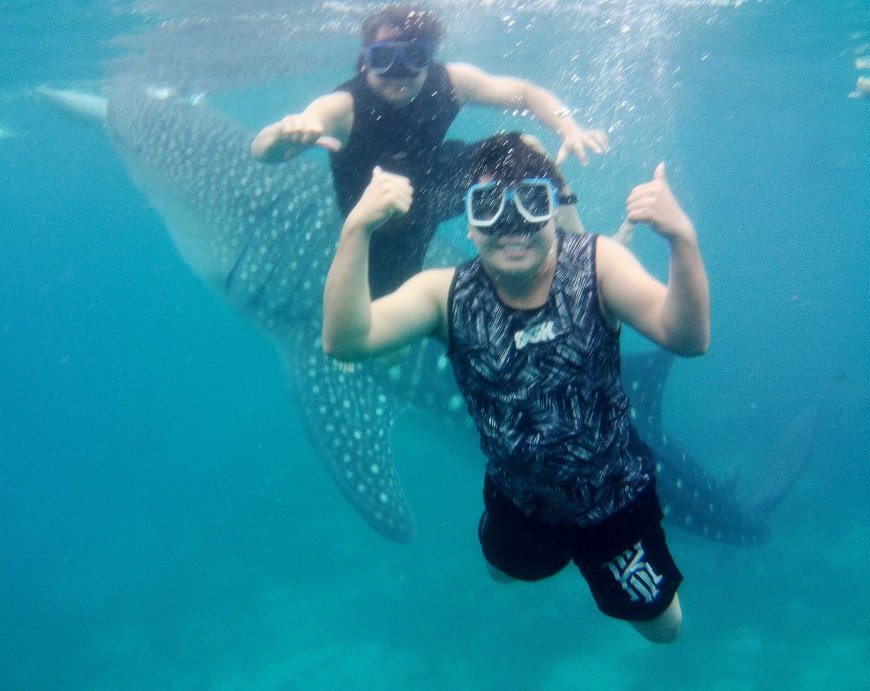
521 249
396 91
515 254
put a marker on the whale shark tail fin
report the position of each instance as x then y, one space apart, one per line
348 417
760 490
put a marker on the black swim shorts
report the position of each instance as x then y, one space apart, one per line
624 559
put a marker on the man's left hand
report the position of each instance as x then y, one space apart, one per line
653 203
577 142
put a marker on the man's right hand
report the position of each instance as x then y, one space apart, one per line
289 136
387 195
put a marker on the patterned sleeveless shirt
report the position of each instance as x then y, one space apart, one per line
543 388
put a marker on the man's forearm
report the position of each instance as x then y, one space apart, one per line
347 299
686 312
550 110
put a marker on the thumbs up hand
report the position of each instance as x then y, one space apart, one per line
653 203
386 196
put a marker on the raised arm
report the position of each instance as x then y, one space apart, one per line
355 328
326 122
473 85
676 316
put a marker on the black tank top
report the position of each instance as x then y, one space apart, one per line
544 390
401 140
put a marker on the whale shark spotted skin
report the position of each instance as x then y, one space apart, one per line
264 236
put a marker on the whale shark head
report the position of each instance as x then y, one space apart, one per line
261 236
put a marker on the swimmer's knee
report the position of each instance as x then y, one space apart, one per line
498 575
660 632
665 628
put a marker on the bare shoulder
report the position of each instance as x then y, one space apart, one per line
606 251
433 283
419 305
614 263
433 287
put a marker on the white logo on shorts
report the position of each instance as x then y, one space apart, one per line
635 576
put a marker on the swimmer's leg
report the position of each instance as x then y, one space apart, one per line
665 628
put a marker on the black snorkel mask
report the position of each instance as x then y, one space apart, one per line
398 59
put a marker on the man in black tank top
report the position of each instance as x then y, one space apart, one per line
394 114
532 330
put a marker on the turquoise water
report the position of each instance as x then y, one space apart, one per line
164 522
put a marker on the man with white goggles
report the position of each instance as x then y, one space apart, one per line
533 198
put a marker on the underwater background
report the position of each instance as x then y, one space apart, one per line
164 521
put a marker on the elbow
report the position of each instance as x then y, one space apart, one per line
329 343
694 347
687 343
335 349
339 354
695 351
332 348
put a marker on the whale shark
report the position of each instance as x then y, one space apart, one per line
263 238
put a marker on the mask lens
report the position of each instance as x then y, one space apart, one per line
380 56
536 198
416 56
486 203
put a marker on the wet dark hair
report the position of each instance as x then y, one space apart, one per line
507 157
409 21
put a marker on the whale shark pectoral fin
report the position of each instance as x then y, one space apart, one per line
643 377
79 104
347 417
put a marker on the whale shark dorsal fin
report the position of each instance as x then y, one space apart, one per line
643 376
348 416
